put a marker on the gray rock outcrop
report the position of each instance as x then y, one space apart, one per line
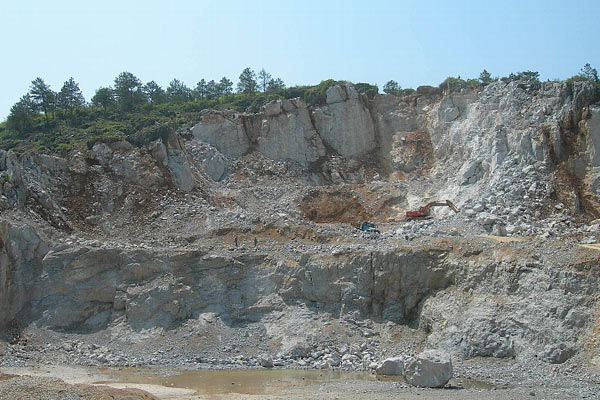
290 135
344 123
224 131
21 250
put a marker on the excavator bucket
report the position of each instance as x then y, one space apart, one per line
452 206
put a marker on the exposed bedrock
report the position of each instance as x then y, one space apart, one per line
489 301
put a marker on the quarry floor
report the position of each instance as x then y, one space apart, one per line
44 382
162 365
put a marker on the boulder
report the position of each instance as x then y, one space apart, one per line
431 368
391 366
265 361
486 219
558 353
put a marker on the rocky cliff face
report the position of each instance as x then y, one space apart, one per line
229 219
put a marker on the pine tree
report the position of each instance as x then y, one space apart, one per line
275 84
104 97
391 87
225 86
178 92
42 96
70 96
263 79
21 115
485 77
211 90
247 83
200 90
128 91
589 73
154 93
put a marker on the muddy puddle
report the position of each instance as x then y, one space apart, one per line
253 381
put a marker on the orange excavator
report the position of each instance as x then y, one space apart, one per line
424 211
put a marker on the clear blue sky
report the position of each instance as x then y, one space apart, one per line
300 41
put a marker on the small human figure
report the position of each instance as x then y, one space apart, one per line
255 241
235 241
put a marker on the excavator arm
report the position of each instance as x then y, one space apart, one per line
424 211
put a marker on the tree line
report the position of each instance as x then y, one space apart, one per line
453 84
128 94
57 122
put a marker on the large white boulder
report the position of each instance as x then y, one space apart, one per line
391 366
431 368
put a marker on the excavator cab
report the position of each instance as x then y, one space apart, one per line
368 227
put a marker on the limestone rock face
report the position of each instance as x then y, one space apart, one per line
290 135
588 167
430 368
479 324
158 303
502 119
223 131
345 122
21 250
491 306
273 108
178 164
128 164
209 159
67 298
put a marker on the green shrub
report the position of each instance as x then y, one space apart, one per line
473 83
150 134
452 84
295 91
316 95
530 76
108 138
367 88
